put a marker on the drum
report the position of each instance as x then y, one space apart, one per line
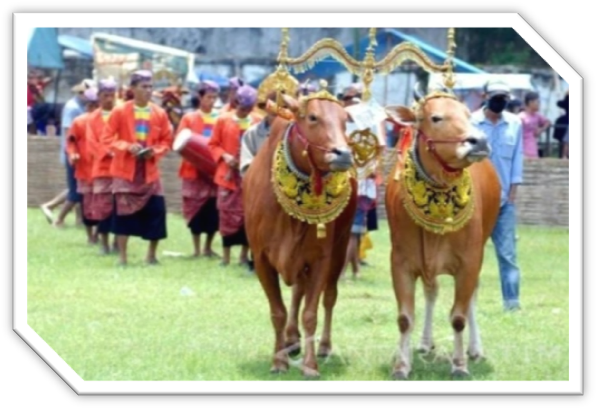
193 148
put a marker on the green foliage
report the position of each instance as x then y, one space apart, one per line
496 46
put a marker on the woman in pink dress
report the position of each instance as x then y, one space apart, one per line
533 124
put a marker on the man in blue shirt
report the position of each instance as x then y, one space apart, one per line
73 108
504 134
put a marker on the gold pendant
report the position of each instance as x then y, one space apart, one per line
365 146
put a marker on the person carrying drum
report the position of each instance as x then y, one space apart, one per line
225 145
138 133
199 191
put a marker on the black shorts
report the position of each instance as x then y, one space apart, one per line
238 238
206 220
149 223
372 224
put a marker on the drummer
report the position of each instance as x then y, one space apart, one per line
225 149
199 192
138 134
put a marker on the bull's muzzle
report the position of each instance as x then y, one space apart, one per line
479 148
340 159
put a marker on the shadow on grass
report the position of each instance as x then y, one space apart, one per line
258 370
432 367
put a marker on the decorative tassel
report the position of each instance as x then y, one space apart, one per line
317 181
320 231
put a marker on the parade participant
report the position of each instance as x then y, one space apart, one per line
368 180
73 108
225 148
79 156
234 85
198 190
139 134
102 204
504 132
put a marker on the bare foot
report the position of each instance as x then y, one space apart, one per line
210 254
47 213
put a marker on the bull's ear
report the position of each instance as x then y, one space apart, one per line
290 103
401 115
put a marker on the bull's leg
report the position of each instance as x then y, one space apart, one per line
404 288
475 349
426 344
465 287
329 301
268 277
312 293
293 336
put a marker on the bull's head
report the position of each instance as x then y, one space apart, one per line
443 129
321 130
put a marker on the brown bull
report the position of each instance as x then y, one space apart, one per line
442 203
315 144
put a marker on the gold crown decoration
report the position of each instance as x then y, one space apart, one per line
322 94
279 81
407 51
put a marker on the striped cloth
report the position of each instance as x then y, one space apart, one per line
142 124
243 124
209 120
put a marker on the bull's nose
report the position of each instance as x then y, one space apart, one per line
342 154
478 144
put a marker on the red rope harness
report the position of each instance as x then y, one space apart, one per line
316 174
430 143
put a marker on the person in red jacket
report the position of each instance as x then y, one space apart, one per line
103 205
138 134
199 192
79 156
225 148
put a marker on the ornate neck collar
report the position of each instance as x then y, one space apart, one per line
437 209
294 191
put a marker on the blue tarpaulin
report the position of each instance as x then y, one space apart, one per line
222 81
43 50
387 38
80 45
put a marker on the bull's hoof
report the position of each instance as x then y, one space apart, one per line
425 348
310 373
400 375
279 368
324 351
460 372
475 355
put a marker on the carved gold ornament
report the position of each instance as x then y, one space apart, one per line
437 210
365 146
298 200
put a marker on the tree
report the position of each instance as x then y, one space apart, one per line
496 46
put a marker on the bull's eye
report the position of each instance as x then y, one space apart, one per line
436 119
312 118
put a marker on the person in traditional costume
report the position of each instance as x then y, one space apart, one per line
225 146
233 86
365 219
138 133
79 156
102 198
199 191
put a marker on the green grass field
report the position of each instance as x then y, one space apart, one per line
190 319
